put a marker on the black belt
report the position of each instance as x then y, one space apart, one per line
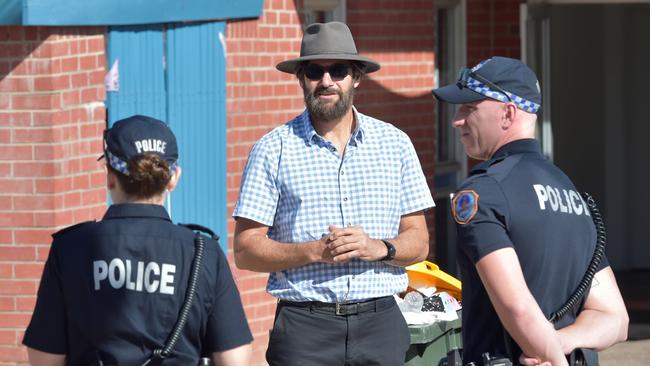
346 308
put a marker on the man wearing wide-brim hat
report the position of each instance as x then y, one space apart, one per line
331 204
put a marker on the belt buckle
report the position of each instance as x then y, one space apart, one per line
347 309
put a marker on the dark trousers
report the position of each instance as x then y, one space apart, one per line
312 334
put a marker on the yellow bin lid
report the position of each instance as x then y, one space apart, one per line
426 274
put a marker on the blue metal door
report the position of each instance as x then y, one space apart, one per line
136 56
177 73
196 109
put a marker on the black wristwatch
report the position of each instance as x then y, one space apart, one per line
391 251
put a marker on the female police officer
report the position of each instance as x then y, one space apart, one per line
112 290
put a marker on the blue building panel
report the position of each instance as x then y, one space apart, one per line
136 56
11 12
177 73
196 102
123 12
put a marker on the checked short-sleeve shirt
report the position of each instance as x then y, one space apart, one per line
296 182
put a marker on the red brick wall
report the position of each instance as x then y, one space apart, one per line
259 98
399 34
492 29
51 118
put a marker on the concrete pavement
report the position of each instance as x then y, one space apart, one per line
634 352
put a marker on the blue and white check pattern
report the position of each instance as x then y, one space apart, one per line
117 163
484 89
122 167
480 64
296 183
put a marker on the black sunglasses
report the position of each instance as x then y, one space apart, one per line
466 74
337 71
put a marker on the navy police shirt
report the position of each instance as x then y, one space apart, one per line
112 290
518 199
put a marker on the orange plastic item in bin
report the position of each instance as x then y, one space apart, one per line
425 274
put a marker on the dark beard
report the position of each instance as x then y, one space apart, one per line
324 112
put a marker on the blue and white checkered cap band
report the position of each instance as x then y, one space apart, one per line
480 64
117 163
484 89
121 166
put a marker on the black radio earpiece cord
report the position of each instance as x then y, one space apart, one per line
585 283
161 353
599 252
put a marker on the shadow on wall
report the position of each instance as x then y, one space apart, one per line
32 51
412 113
18 56
10 11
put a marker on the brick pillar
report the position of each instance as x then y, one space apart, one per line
399 34
259 99
51 122
492 29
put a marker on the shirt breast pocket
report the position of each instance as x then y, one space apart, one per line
380 185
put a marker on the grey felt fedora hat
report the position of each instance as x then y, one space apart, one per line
327 41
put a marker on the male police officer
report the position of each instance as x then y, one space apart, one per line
525 236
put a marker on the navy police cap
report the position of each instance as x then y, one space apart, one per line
138 135
500 78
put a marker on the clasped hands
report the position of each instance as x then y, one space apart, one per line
342 245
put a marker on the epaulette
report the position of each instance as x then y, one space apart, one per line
497 160
484 166
203 229
480 168
72 227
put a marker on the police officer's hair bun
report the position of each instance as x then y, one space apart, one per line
148 176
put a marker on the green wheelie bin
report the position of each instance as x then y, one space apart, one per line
431 343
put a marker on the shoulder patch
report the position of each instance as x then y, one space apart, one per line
70 228
464 206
